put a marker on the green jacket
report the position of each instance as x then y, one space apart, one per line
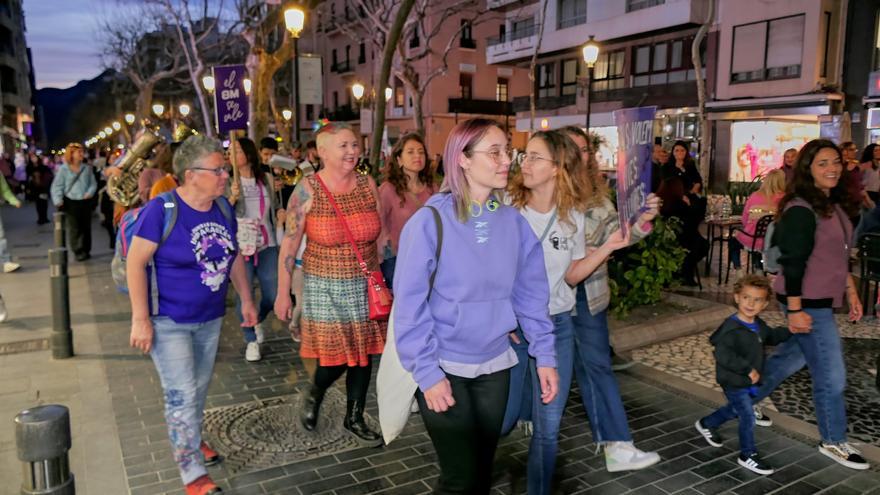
7 194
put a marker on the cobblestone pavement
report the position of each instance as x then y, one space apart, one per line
661 419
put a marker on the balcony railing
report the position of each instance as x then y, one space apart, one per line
572 21
467 43
512 35
344 113
521 103
342 67
480 107
633 5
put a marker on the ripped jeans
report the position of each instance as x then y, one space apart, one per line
184 357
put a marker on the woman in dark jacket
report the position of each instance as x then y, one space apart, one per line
813 235
678 204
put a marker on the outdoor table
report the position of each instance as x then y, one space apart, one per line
719 224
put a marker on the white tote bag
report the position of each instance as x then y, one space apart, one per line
395 388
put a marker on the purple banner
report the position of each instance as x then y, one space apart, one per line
635 135
230 100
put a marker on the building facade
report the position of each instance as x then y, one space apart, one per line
16 77
469 87
644 59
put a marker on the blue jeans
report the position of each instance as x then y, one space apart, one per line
387 267
822 352
596 381
739 405
265 265
184 357
546 418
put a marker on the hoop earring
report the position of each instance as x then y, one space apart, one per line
492 205
471 208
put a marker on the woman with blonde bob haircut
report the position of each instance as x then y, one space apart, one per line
453 334
760 203
546 193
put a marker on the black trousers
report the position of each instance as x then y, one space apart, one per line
466 435
78 217
42 208
357 380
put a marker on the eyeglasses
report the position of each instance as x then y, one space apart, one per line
499 155
219 171
531 158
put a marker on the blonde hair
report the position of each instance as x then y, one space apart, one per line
68 151
568 165
773 183
594 189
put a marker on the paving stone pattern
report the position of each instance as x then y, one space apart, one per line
660 419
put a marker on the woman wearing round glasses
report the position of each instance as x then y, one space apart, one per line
453 337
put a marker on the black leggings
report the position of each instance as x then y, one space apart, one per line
357 380
466 435
78 216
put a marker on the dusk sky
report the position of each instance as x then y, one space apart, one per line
62 36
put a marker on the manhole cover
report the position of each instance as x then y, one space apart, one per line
263 434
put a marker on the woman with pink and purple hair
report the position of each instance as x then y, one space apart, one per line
453 336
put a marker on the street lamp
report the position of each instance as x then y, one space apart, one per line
108 131
116 125
208 84
129 118
294 21
357 90
591 54
102 134
158 109
287 114
388 93
184 109
247 86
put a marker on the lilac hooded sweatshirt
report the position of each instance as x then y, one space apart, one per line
491 275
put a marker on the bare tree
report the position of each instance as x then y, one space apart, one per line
137 43
195 37
701 91
428 21
533 65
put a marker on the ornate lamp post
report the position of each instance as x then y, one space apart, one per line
591 54
294 21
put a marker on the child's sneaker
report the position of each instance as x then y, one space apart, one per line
760 419
844 454
712 437
754 464
624 456
203 486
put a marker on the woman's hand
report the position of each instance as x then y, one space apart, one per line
141 334
234 191
549 380
248 313
686 200
283 307
800 322
855 305
653 203
280 217
439 396
617 240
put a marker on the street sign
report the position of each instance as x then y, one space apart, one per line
635 131
230 99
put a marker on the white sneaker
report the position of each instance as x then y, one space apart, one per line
261 334
252 353
760 419
844 454
9 267
624 456
3 313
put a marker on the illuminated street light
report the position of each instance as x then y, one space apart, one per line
208 83
357 90
184 109
116 125
591 52
287 114
108 131
158 109
102 134
388 93
294 20
129 118
247 86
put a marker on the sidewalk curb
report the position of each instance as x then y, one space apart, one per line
700 393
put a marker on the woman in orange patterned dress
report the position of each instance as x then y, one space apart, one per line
336 328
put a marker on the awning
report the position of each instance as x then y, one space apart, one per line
807 106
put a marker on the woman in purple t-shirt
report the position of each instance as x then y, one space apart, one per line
190 267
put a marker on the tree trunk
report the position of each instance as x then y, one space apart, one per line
261 84
705 139
143 102
203 103
533 65
387 57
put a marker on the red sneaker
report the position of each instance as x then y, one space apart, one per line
211 455
202 486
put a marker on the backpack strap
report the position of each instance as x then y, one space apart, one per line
170 210
438 222
225 209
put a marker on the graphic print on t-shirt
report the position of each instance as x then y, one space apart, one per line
214 252
559 240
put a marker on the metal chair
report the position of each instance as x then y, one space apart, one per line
760 232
